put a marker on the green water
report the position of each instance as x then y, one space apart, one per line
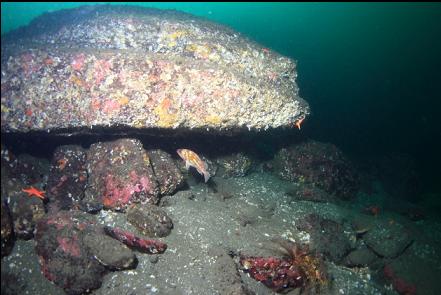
370 71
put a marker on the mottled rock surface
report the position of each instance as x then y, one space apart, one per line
64 259
327 236
120 174
319 164
23 169
388 239
235 165
75 252
360 257
167 173
229 282
68 177
109 252
308 192
26 212
151 220
134 242
137 68
7 235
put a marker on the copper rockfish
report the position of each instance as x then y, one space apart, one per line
192 159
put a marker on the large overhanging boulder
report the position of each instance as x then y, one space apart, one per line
128 68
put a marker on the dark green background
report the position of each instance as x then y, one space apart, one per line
370 71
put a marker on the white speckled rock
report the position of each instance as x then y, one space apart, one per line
126 68
388 239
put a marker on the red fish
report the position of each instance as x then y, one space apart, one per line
192 159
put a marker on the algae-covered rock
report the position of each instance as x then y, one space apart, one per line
129 68
120 174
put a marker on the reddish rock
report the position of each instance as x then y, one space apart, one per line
120 174
140 244
101 70
75 253
63 258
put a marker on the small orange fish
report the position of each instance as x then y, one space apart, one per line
32 191
192 159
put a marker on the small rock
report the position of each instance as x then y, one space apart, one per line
26 212
319 164
109 252
228 280
327 236
167 173
360 257
151 220
236 165
308 192
388 239
154 259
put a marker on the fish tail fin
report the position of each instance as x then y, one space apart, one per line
206 176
